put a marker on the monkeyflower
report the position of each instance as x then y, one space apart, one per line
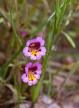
32 73
35 48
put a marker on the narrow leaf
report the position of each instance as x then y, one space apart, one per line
69 39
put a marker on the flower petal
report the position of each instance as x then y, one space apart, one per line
34 82
33 57
24 78
27 66
25 52
39 72
43 51
37 76
39 66
30 83
30 41
38 57
41 40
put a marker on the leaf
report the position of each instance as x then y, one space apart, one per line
68 37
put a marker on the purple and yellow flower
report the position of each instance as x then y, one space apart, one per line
35 48
32 73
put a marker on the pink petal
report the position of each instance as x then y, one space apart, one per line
39 66
33 57
39 72
30 41
27 66
43 51
37 76
25 51
41 40
30 83
34 82
24 78
38 57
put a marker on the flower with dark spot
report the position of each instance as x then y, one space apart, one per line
35 48
32 73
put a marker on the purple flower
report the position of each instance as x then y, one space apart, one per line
32 73
23 33
35 48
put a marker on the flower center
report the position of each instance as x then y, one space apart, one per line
33 69
31 73
34 48
34 52
31 76
35 45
